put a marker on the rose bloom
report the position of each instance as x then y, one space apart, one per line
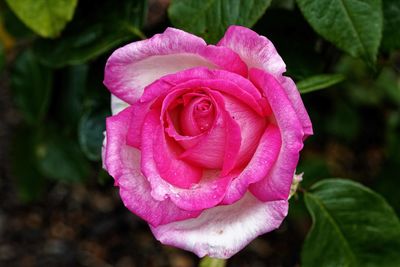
204 140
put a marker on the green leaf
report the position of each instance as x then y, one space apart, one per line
94 31
29 180
90 132
319 82
352 226
211 18
70 98
352 25
61 159
45 17
391 25
31 84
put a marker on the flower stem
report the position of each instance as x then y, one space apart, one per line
212 262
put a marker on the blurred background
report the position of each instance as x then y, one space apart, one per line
59 208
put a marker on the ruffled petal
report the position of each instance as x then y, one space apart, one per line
255 50
123 163
131 68
222 231
276 186
205 194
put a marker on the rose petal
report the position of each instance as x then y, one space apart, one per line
255 50
222 231
219 148
123 163
276 186
173 170
294 96
259 166
258 52
139 111
205 194
220 80
117 105
131 68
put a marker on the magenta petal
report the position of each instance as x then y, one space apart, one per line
177 172
276 185
218 148
139 111
222 231
220 80
294 96
255 50
123 163
131 68
205 194
259 166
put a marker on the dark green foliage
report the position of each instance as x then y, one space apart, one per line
95 30
391 25
352 226
91 128
61 158
353 26
211 18
31 85
45 17
319 82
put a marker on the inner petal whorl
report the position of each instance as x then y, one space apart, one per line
197 115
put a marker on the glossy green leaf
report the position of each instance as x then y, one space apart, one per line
211 18
352 25
90 132
391 25
31 84
45 17
61 159
94 31
319 82
352 226
29 181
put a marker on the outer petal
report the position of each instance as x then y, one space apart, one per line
255 50
123 163
117 105
276 186
222 231
294 96
205 194
131 68
258 52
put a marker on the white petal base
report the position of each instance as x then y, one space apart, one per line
222 231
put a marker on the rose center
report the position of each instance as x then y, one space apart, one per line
203 114
192 113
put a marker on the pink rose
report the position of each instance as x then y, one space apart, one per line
205 139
